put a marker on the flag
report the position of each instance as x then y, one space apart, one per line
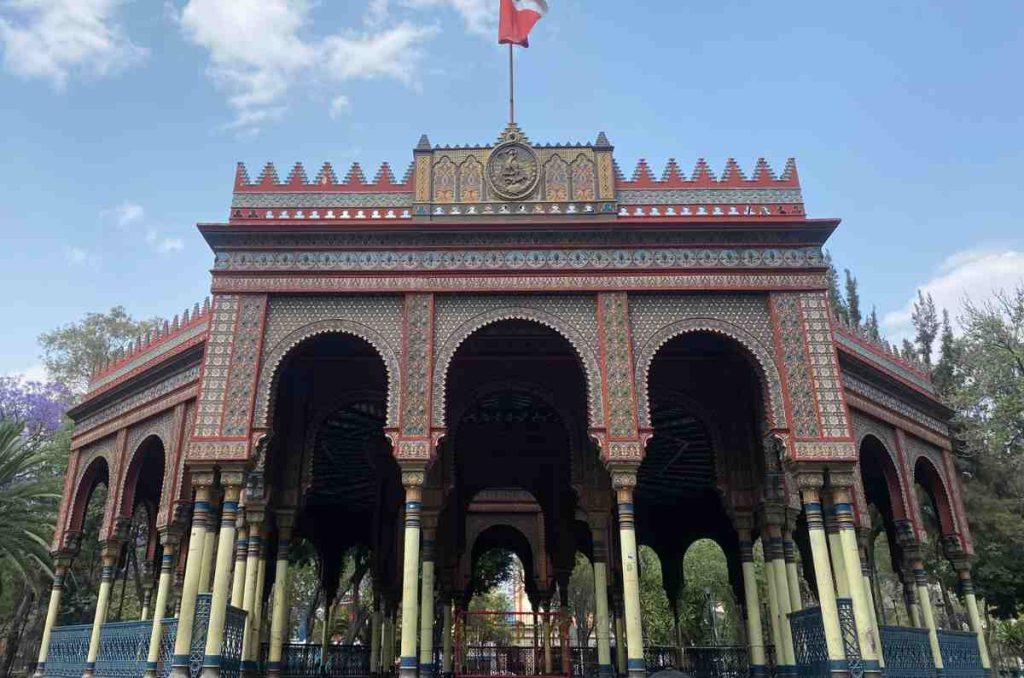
517 18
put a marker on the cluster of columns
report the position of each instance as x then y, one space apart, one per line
238 578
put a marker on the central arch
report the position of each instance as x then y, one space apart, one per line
583 351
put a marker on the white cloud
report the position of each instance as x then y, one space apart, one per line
35 372
57 39
79 256
166 245
480 16
974 274
339 105
132 217
126 214
260 51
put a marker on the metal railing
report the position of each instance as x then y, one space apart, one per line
907 652
124 646
961 656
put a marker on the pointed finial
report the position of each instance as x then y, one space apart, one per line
355 175
672 173
407 177
241 176
326 175
384 176
424 143
297 177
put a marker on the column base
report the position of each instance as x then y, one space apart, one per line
785 670
758 670
605 670
426 671
248 669
210 670
90 670
406 672
636 668
180 671
40 671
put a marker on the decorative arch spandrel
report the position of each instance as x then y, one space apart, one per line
941 486
556 179
574 317
745 319
444 180
584 178
471 180
865 427
376 319
162 428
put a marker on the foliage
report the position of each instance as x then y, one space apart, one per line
82 582
871 325
39 407
72 353
852 299
488 628
708 614
26 504
926 325
582 606
493 568
655 610
835 297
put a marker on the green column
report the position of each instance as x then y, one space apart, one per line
109 552
281 608
232 483
427 608
855 580
60 570
413 482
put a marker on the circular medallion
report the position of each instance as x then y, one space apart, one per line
512 170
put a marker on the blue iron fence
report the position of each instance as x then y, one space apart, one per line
69 646
123 649
907 652
961 657
124 646
809 642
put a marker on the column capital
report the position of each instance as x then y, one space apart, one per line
413 477
624 477
773 515
255 516
202 475
233 478
285 519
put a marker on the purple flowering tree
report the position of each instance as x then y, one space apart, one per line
38 406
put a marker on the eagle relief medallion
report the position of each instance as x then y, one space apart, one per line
513 170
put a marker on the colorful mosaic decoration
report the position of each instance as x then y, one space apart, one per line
793 355
824 365
657 318
613 322
216 364
416 357
573 316
291 320
244 363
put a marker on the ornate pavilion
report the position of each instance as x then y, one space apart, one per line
513 345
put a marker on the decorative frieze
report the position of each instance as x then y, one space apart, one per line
901 407
559 259
617 363
294 284
417 356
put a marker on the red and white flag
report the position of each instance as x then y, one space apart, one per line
517 18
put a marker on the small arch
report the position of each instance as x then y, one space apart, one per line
879 452
153 450
934 483
96 473
270 371
446 353
763 362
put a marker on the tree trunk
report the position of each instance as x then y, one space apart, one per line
13 638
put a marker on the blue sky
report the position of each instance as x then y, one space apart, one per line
123 120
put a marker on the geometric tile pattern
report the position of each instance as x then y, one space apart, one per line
216 364
658 318
456 317
621 413
377 319
824 365
802 405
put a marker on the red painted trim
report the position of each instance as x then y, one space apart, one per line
603 354
145 367
880 353
632 364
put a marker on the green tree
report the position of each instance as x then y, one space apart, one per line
835 297
73 352
852 299
655 610
871 325
926 326
708 613
582 606
946 370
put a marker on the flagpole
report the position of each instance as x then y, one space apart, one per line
511 88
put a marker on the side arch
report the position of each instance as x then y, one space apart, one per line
587 358
128 483
768 373
270 369
97 472
890 471
935 483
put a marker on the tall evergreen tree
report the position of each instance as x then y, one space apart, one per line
835 297
908 350
852 299
945 373
926 324
871 325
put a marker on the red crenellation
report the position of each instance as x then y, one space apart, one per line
326 180
702 177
